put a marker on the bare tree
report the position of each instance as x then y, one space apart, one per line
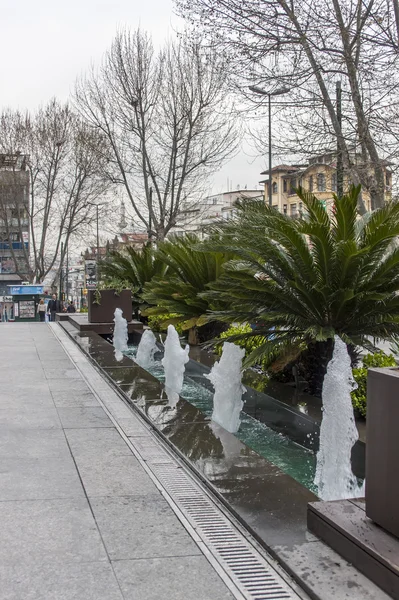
63 160
167 119
308 46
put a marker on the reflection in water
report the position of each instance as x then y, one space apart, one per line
198 441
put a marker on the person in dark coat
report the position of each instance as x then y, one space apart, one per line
71 307
54 306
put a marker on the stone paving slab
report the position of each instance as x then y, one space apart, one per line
68 385
193 579
57 373
72 494
54 581
39 479
114 476
33 443
23 397
80 417
43 531
141 527
32 418
75 400
98 443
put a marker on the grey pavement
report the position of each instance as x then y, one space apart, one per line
80 518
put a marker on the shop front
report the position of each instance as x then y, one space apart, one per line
25 299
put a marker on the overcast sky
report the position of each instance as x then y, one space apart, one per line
46 44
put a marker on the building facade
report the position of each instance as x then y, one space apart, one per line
14 220
197 218
318 176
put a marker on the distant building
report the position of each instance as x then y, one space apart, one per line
319 175
14 220
197 218
133 240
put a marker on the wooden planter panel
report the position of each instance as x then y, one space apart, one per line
110 300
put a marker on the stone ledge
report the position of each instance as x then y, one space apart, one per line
343 525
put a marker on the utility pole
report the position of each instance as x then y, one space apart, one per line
67 272
340 167
149 233
270 151
62 260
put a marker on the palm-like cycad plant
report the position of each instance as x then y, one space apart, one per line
189 273
132 269
301 281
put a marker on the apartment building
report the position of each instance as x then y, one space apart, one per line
196 218
14 220
319 176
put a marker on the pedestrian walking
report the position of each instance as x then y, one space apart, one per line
71 307
41 309
54 306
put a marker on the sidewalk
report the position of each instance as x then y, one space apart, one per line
80 518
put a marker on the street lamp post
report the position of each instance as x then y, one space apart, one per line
98 236
340 167
262 92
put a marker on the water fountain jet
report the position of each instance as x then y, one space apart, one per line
121 334
146 350
338 433
173 362
226 379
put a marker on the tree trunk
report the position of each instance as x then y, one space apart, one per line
314 363
193 336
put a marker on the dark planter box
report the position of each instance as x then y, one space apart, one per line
382 448
110 300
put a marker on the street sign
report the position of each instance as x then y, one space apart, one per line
91 274
25 290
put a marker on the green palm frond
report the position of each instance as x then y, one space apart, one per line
189 273
134 268
305 280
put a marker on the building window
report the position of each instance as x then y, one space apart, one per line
292 186
321 182
293 211
285 209
300 209
284 185
311 183
274 188
275 206
334 182
214 200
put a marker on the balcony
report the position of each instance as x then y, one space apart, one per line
15 245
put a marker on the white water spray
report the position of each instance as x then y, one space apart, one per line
173 362
121 335
146 350
338 433
226 379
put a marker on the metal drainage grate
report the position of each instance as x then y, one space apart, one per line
247 568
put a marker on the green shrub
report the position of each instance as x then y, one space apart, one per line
359 396
159 323
248 344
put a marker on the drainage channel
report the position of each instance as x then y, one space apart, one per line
250 574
